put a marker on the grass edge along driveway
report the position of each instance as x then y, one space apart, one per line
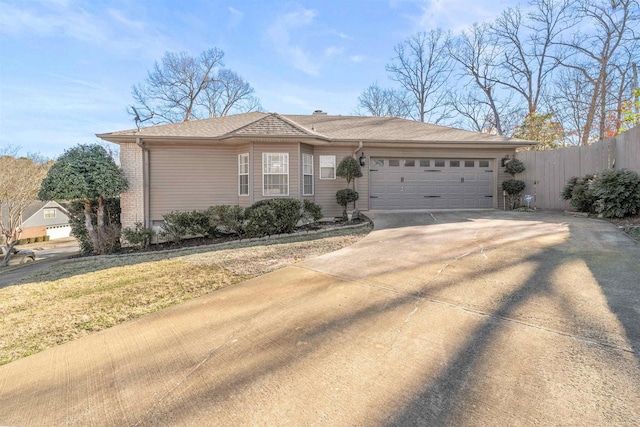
73 299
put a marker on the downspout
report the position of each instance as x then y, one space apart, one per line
355 183
145 181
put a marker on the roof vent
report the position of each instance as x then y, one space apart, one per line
319 112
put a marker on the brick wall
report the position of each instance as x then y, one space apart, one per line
132 202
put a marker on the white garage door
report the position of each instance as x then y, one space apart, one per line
431 183
59 232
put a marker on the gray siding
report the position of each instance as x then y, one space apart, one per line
38 219
325 191
188 178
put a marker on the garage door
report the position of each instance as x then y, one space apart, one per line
58 232
431 183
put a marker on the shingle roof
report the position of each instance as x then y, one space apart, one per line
321 126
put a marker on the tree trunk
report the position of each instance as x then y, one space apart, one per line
89 225
100 213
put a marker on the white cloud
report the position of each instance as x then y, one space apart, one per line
455 15
280 34
333 51
356 58
115 31
236 17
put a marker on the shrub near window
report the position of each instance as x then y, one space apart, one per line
344 197
273 216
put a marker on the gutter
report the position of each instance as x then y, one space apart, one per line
145 182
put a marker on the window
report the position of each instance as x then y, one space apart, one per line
425 163
49 213
377 163
275 174
409 163
439 163
307 174
469 164
394 163
454 163
484 163
243 174
327 167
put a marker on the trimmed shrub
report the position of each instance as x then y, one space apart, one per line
344 197
228 218
311 212
349 169
47 238
139 236
617 193
513 187
272 216
514 166
580 193
260 221
38 239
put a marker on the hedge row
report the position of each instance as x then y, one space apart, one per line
263 218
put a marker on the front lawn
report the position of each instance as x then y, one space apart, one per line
72 299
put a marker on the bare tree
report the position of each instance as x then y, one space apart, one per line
478 55
602 29
528 55
473 112
20 180
422 66
229 92
380 102
183 87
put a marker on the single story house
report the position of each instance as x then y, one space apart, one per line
243 158
41 219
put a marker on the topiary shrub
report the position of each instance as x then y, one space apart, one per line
617 193
580 193
344 197
514 166
311 212
139 236
513 188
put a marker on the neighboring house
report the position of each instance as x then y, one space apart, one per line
44 219
243 158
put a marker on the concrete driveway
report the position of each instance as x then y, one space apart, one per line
480 318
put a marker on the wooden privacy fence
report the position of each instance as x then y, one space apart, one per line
548 171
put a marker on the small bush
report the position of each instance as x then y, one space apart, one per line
47 238
311 212
228 218
580 193
344 197
617 193
39 239
139 236
108 239
175 226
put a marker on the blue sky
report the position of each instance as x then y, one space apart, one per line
67 67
